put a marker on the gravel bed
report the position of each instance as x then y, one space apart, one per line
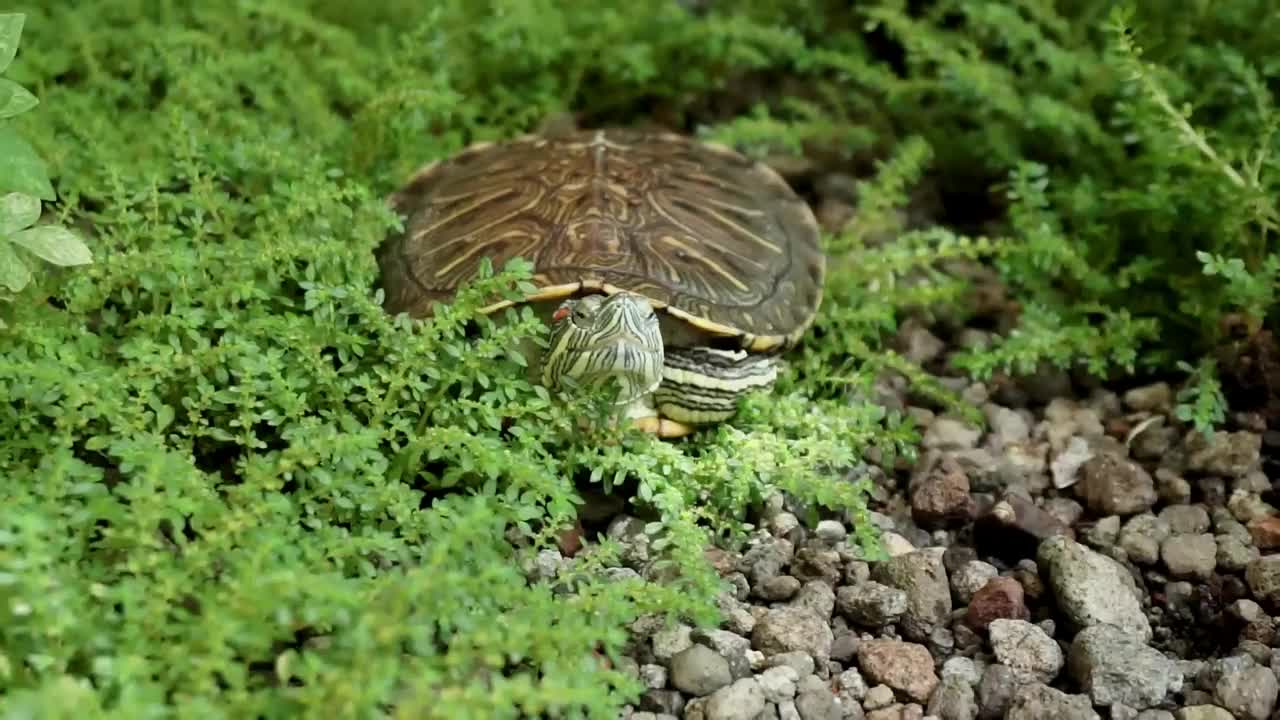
1085 556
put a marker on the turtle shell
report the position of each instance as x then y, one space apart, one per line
706 234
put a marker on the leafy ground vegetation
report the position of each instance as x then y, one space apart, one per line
233 486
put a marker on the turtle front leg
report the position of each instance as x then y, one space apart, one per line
702 385
664 428
643 417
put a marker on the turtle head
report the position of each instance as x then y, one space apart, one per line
599 338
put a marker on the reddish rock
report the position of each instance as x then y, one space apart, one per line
942 498
1114 485
720 560
1001 598
1266 532
1029 579
570 540
903 666
1263 631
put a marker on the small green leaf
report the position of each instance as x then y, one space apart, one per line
21 169
18 211
10 32
55 244
164 417
15 99
14 273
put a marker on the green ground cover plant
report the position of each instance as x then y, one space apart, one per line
232 486
24 183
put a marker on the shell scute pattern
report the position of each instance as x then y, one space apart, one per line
705 233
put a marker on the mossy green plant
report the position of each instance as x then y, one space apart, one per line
233 485
24 182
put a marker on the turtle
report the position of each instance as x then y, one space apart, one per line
678 267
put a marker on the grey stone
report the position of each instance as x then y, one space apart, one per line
851 687
1007 427
663 702
798 660
1091 588
778 588
1141 537
1248 506
737 614
1104 532
995 691
669 641
818 597
810 683
699 670
830 531
923 577
790 628
816 561
1113 666
783 525
1120 711
654 676
1229 454
946 433
1025 649
1234 553
954 699
1188 519
766 559
1204 712
880 696
1193 556
546 565
778 683
963 668
1243 687
1065 466
845 646
743 700
1263 577
1038 702
1149 398
971 577
1154 444
730 646
818 704
871 604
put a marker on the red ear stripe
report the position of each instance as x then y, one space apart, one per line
561 314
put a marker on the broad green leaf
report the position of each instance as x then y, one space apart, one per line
18 211
54 244
15 99
10 31
21 169
14 273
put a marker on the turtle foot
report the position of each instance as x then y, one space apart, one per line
662 427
